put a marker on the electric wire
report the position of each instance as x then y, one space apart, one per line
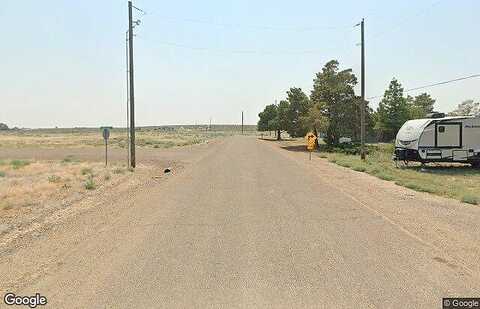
432 85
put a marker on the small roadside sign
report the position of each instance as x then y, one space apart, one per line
311 142
106 132
106 136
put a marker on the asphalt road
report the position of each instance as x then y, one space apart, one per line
250 225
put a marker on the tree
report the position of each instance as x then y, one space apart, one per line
420 106
282 122
274 118
466 108
267 117
314 119
334 90
298 107
3 127
392 111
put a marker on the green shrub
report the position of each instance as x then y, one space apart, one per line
471 199
170 144
359 168
344 164
107 177
53 178
2 174
16 164
90 183
384 176
69 159
118 170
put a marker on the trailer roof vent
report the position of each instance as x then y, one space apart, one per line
436 115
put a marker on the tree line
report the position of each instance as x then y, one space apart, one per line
333 109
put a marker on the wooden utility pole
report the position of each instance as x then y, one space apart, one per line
362 105
132 90
242 122
128 99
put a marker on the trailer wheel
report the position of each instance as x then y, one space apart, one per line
475 164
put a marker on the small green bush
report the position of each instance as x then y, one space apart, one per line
90 183
2 174
119 170
344 164
17 164
69 159
359 168
471 199
384 176
54 178
107 177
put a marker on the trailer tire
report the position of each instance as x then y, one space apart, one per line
475 164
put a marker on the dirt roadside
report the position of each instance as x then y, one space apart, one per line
447 226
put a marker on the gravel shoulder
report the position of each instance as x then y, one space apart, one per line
445 225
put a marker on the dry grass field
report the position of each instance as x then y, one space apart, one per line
86 137
37 167
48 172
28 184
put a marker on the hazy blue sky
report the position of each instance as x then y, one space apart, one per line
63 62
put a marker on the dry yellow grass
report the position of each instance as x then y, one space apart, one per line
145 137
35 183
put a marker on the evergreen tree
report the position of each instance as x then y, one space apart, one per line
298 107
334 89
392 112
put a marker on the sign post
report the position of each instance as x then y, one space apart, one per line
106 136
311 143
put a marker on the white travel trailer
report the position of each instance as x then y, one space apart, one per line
439 139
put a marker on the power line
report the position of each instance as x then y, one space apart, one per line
432 85
252 27
245 51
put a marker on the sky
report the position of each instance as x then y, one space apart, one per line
63 62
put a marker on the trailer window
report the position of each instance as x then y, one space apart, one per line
441 129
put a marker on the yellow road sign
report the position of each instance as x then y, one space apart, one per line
311 141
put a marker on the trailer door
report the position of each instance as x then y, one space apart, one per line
448 135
